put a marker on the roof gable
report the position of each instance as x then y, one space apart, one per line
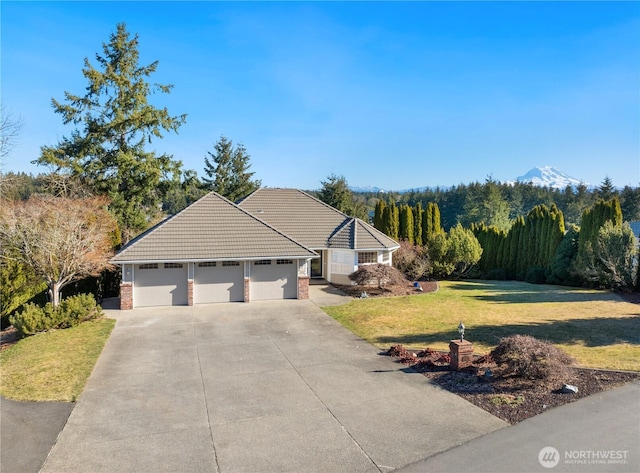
211 228
312 222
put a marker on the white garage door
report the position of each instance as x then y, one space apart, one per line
160 284
218 281
273 279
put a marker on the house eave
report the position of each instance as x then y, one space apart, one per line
201 260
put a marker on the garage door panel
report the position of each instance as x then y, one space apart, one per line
273 281
218 284
160 286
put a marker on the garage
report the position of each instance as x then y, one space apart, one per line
218 281
160 284
273 279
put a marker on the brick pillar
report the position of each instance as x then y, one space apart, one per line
246 290
461 354
126 296
190 292
303 287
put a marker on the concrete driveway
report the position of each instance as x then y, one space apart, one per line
271 386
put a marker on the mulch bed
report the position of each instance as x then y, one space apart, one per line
8 337
390 291
505 396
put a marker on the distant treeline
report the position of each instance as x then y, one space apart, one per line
499 204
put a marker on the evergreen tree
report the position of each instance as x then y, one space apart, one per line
431 222
517 249
630 204
391 220
405 231
593 262
563 259
606 190
417 224
378 216
336 193
227 171
116 122
610 263
594 218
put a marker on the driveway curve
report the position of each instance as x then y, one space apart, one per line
270 386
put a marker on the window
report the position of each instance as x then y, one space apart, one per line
284 261
207 264
172 265
367 257
230 263
262 262
148 266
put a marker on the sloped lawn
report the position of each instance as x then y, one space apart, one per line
599 329
53 366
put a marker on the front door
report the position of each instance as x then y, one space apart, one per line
316 266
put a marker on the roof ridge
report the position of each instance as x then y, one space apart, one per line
211 195
373 231
138 238
340 228
306 194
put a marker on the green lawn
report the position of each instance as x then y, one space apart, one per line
598 328
53 366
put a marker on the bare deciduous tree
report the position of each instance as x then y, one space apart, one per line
61 239
10 127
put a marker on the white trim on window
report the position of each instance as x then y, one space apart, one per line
367 257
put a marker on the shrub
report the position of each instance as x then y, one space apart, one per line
536 276
497 274
71 311
530 358
77 309
411 260
380 274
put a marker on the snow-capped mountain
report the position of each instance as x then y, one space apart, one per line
548 176
367 189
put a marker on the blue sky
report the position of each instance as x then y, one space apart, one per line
390 94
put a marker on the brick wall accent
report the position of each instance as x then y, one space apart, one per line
303 287
126 296
247 286
190 292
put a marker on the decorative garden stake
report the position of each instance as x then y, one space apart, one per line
461 351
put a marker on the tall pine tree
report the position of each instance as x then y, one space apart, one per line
227 171
115 121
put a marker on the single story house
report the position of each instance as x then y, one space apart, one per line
342 242
218 251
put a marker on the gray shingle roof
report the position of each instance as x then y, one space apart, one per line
312 222
213 228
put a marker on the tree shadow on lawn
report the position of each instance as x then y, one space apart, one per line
594 332
518 292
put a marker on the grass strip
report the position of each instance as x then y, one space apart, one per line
55 365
